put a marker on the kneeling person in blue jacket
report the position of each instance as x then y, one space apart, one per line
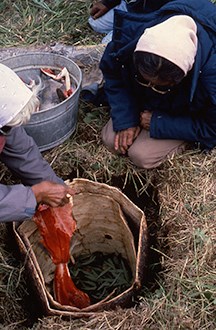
20 154
161 85
102 13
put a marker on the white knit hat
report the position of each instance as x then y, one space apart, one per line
174 39
14 95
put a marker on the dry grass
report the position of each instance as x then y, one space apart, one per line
12 284
188 211
185 295
85 152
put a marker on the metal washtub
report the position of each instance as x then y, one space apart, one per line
51 126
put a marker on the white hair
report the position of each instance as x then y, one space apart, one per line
32 106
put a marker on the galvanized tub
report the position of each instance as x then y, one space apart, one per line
52 126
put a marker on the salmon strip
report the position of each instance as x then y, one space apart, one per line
56 226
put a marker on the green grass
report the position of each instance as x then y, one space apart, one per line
35 22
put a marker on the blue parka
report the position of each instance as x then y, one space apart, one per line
137 6
23 158
186 113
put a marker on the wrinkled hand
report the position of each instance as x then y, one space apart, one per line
98 10
52 194
145 119
125 138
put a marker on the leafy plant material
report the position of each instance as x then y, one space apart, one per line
99 275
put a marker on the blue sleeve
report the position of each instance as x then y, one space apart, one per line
141 6
17 203
124 111
200 123
22 156
187 128
111 3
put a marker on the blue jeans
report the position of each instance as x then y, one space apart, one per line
104 24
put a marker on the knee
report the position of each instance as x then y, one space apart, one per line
142 159
100 25
96 24
93 23
107 139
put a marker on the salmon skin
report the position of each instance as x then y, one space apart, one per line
56 226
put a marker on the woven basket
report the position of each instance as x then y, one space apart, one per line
107 222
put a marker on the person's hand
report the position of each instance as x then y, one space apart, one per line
98 10
145 119
52 194
125 138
